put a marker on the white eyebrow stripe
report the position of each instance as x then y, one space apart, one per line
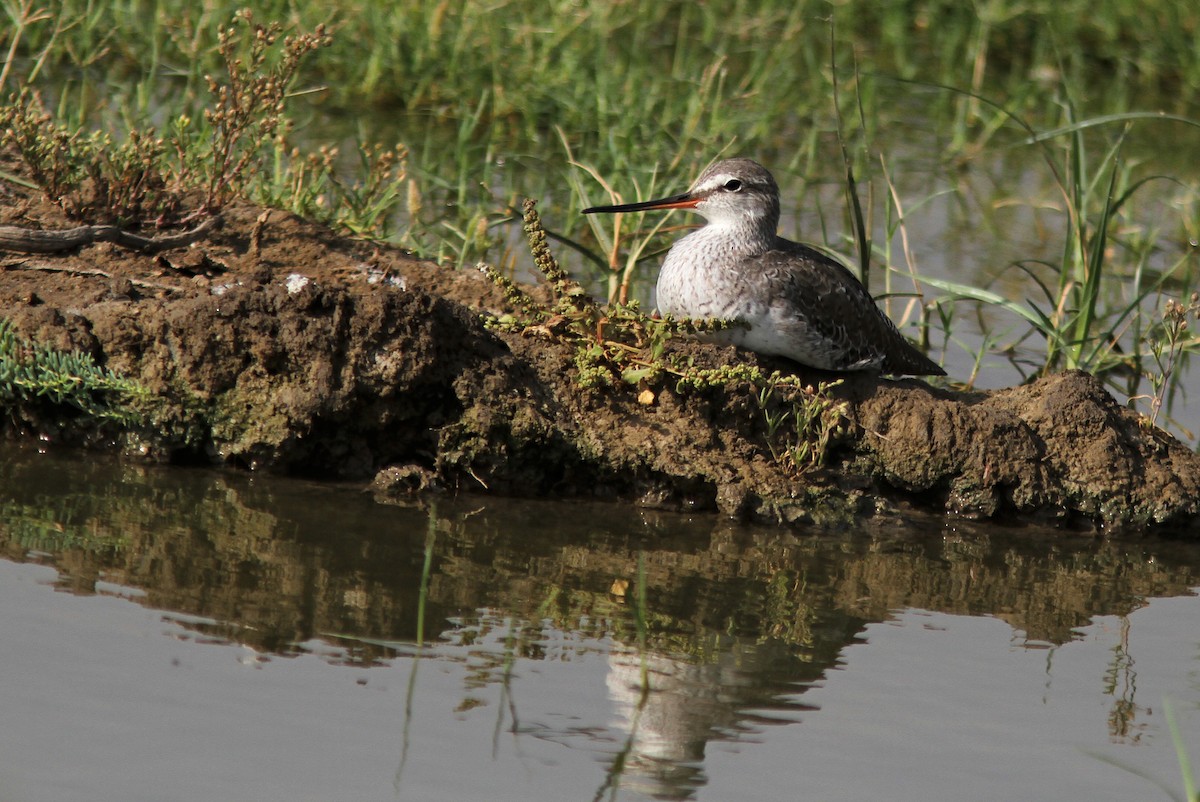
716 181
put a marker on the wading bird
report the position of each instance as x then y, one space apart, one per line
785 298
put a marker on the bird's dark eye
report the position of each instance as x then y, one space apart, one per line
733 185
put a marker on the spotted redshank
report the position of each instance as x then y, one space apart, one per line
787 299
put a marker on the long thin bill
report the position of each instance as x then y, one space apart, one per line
684 201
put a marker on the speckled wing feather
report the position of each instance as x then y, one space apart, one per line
836 317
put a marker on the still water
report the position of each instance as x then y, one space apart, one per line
172 634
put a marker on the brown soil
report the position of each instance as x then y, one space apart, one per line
318 355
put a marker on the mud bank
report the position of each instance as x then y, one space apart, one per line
283 347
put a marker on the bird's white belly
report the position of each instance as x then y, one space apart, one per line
698 290
698 286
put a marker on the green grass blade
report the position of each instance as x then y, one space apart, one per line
1030 314
1190 790
1090 290
1093 122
